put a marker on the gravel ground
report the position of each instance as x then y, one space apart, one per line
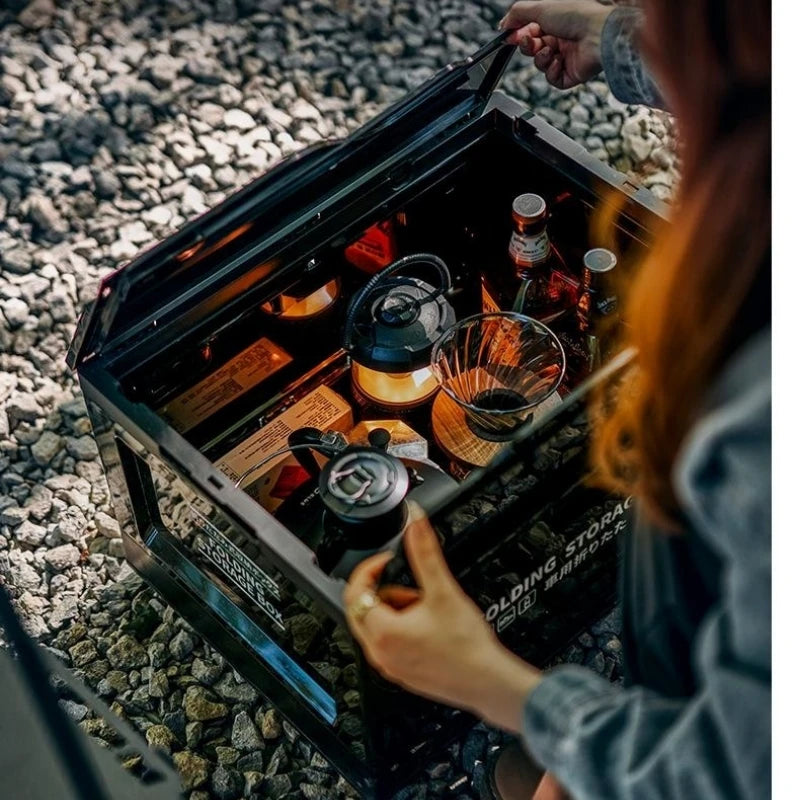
119 121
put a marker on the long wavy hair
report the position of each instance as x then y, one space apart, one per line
705 286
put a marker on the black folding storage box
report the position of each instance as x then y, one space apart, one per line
528 538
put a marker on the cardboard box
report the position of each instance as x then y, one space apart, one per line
237 376
275 480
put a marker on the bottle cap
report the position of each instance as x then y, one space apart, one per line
529 208
599 260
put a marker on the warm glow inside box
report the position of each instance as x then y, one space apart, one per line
205 359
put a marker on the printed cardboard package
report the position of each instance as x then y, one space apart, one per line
275 480
237 376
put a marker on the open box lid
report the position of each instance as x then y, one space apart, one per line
133 298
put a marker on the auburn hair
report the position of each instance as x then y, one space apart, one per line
704 288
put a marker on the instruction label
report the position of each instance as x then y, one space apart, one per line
246 370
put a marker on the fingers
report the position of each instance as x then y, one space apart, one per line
544 58
521 14
365 576
531 31
555 72
424 553
399 597
528 39
564 19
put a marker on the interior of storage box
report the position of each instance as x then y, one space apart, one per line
220 388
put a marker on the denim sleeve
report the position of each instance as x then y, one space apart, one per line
605 741
628 78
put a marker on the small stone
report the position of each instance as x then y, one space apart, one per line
17 260
29 533
194 734
22 408
251 762
106 525
245 735
226 784
181 645
200 705
63 610
46 448
15 311
46 219
304 629
207 671
276 786
83 448
278 761
63 556
75 711
160 736
106 185
271 725
232 691
158 685
83 653
253 781
13 516
193 769
238 119
227 756
127 653
72 524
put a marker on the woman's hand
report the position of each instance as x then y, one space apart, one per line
562 36
434 640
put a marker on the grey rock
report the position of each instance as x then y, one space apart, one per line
106 525
16 260
46 448
194 734
181 645
13 516
232 691
63 610
276 786
227 784
63 556
278 761
251 762
82 448
15 311
244 735
30 534
207 672
106 185
23 408
75 711
304 629
46 219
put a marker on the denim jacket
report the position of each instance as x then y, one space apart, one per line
695 724
694 721
627 77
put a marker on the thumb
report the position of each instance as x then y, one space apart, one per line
425 554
